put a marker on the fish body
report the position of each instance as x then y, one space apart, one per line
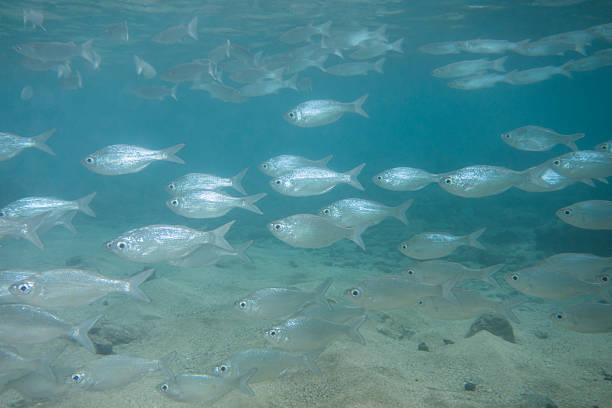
533 75
404 179
62 68
202 181
585 317
338 313
209 254
156 92
584 267
480 181
321 112
592 214
543 178
356 68
202 388
279 165
439 272
356 212
175 34
268 87
374 48
431 245
56 51
11 145
486 46
29 207
211 204
477 81
301 34
469 304
144 68
113 371
125 159
309 181
467 68
590 63
538 139
14 366
584 164
187 72
222 92
441 48
117 32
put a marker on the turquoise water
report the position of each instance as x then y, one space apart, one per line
416 120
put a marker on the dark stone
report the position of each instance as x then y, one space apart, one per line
103 348
107 333
469 386
447 342
423 346
494 324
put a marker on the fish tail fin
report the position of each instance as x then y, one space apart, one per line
169 153
356 235
447 290
311 365
498 64
565 73
40 141
44 364
506 308
192 28
242 382
241 251
63 70
472 239
139 64
79 333
487 274
380 33
353 329
30 232
134 285
603 180
323 162
248 203
83 204
237 181
292 82
580 49
66 221
399 212
358 106
571 142
323 29
353 174
87 52
397 46
320 293
173 92
378 65
219 236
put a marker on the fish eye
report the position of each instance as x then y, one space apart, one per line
277 182
379 177
2 214
559 316
277 226
121 245
164 387
507 135
76 378
24 287
410 272
223 368
242 304
109 244
265 166
355 292
291 114
404 246
603 278
326 211
556 162
174 202
420 302
448 180
89 160
171 186
515 277
272 332
604 147
567 211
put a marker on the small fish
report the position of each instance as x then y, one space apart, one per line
39 388
256 74
309 181
157 243
36 17
440 272
604 147
471 67
585 317
120 159
113 371
338 313
74 287
404 179
24 324
590 63
592 214
477 81
11 145
144 68
543 178
270 364
72 82
117 32
354 38
431 245
268 87
547 47
279 165
14 366
307 334
373 49
211 204
356 212
584 165
356 68
175 34
441 48
531 76
62 68
32 206
486 46
480 181
312 231
24 228
222 92
57 51
272 303
323 112
194 71
209 254
156 92
538 139
202 181
301 34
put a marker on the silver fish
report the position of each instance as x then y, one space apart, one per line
538 139
268 87
256 74
440 272
36 17
312 231
547 47
356 212
307 334
590 63
202 181
480 181
323 112
372 49
584 267
592 214
118 32
477 81
543 178
222 92
301 34
14 366
24 228
125 159
404 179
11 145
144 68
467 68
189 72
271 303
24 324
157 243
604 147
112 371
356 68
533 75
37 387
57 51
74 287
585 317
279 165
338 313
441 48
486 46
431 245
584 164
309 181
210 255
175 34
211 204
29 207
156 92
298 65
62 68
354 38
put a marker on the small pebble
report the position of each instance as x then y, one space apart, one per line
448 341
469 386
423 347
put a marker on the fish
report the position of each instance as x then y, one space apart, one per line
585 317
157 243
298 65
270 364
222 92
14 366
480 181
272 303
194 71
23 228
24 324
592 214
477 81
256 74
300 34
156 92
356 68
338 313
209 254
355 212
604 147
11 145
57 51
312 231
441 48
211 204
112 371
175 34
279 165
72 82
307 334
268 87
590 63
353 38
36 17
118 32
538 139
373 49
487 46
38 388
470 67
144 68
431 245
320 112
584 165
201 181
547 47
439 272
469 304
29 207
584 267
404 179
543 178
309 181
74 287
61 68
533 75
121 159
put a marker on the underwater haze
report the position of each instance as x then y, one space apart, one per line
467 264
